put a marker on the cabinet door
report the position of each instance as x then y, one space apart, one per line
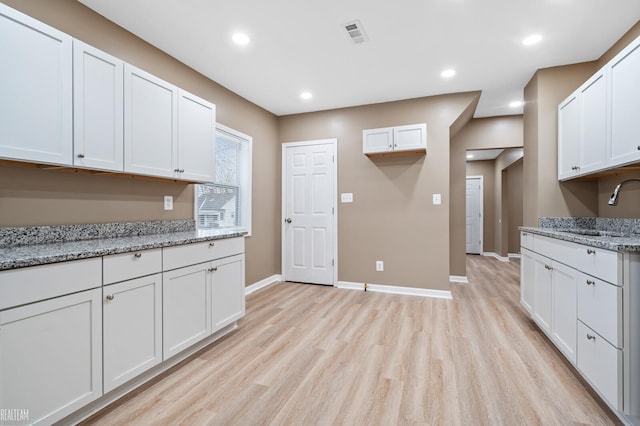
564 304
542 274
568 138
227 291
625 105
132 324
150 124
51 361
98 88
186 308
594 135
377 140
527 281
410 138
36 86
196 138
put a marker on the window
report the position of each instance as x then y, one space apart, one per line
227 202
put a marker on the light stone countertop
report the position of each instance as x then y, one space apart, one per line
620 242
20 256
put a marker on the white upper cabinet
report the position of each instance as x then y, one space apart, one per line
583 129
150 124
36 86
399 140
625 105
98 83
196 138
568 137
593 123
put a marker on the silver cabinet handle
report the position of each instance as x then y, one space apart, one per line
288 220
589 251
591 337
547 267
176 170
81 155
212 244
137 255
213 269
110 297
591 282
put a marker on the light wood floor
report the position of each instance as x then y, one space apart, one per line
307 355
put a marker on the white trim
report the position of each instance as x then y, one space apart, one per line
262 284
514 255
481 230
458 279
408 291
496 255
334 143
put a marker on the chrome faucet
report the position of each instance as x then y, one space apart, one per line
613 201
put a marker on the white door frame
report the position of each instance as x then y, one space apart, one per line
481 230
334 146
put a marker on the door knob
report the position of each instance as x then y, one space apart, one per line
288 220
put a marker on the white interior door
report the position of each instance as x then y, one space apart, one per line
309 225
474 214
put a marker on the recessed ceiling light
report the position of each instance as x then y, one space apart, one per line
469 156
306 95
515 104
241 38
532 39
448 73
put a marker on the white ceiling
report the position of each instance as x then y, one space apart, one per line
301 45
483 154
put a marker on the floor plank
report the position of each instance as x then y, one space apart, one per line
308 354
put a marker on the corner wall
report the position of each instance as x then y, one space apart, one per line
392 217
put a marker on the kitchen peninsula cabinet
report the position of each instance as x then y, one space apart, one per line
36 105
98 108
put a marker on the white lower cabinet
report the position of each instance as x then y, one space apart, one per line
132 327
51 356
227 291
542 292
564 309
527 281
601 363
186 307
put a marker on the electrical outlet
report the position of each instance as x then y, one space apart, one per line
437 199
168 202
379 265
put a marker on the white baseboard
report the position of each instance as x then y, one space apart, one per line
262 284
514 255
496 255
458 279
409 291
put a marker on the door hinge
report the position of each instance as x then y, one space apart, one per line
333 158
333 210
333 263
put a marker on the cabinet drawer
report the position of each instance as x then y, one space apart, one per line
190 254
526 240
558 250
601 364
124 266
600 307
600 263
28 285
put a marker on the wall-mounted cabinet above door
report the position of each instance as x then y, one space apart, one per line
399 140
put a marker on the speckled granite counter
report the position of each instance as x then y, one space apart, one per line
32 246
622 235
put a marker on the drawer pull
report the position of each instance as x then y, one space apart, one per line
213 269
589 251
547 267
591 337
524 234
137 255
212 244
591 282
110 297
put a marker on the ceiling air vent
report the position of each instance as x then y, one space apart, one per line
356 32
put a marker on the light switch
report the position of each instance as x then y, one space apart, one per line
346 197
437 199
168 202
